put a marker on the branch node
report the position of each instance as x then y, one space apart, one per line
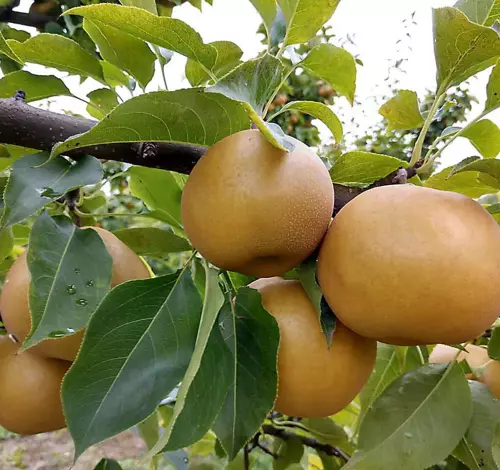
148 150
20 95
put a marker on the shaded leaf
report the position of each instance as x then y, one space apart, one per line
169 33
252 336
104 100
36 87
475 448
466 183
108 464
289 452
71 273
304 18
159 191
151 241
402 111
189 116
6 243
493 89
363 168
478 11
462 48
208 370
62 53
327 321
327 431
319 111
334 65
463 164
114 77
122 50
399 431
388 367
306 274
267 10
494 344
149 430
255 82
484 135
144 333
228 57
32 186
277 31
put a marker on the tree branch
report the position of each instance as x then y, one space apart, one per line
33 19
307 441
27 126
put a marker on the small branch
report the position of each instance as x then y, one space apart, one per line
246 457
32 19
307 441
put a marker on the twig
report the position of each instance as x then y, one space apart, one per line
307 441
246 457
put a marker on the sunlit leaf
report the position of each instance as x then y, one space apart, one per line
6 50
478 11
62 53
484 135
305 17
148 5
462 48
494 14
189 116
493 89
36 87
334 65
169 33
402 111
319 111
361 169
71 272
102 102
136 349
123 50
494 344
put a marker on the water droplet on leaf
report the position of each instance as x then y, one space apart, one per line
408 435
57 334
77 271
70 330
81 302
71 289
90 283
401 390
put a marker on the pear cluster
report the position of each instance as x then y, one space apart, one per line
30 380
402 264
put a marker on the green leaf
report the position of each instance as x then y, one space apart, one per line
114 77
6 243
488 167
123 50
104 99
189 116
463 164
493 90
253 82
108 464
402 111
148 5
400 431
465 183
477 11
252 336
475 448
149 429
304 18
494 344
363 168
62 53
319 111
462 48
334 65
169 33
327 320
68 285
277 31
32 186
228 57
327 431
209 370
306 274
36 87
388 368
415 358
496 445
136 350
5 49
151 241
289 452
12 33
159 191
267 10
494 14
485 136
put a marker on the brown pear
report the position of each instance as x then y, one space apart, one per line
410 265
30 390
314 380
14 305
252 208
